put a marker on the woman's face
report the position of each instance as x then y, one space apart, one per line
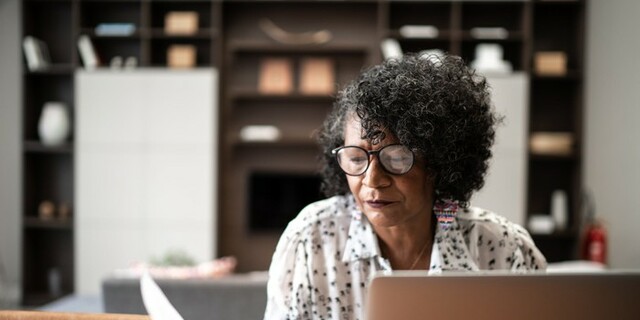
388 200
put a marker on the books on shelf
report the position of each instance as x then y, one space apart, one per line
36 53
87 52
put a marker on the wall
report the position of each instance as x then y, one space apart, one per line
10 168
612 165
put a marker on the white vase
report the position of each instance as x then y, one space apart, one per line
54 125
559 209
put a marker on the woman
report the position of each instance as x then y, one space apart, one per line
405 147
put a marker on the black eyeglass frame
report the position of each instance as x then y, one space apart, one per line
369 153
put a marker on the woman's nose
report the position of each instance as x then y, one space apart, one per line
375 176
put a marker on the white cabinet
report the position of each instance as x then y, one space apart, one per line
146 160
506 182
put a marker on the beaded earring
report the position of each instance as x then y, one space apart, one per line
445 211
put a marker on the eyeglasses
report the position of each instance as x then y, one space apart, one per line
395 159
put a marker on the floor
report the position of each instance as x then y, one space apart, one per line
76 303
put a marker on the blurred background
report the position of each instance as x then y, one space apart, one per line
132 130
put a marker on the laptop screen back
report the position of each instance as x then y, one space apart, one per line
408 296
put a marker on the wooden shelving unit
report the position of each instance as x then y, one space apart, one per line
48 172
230 38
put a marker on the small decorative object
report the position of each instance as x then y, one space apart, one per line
445 211
181 22
265 133
489 33
46 210
551 143
88 54
115 29
54 124
418 31
55 282
173 258
181 56
541 224
64 211
116 62
552 63
131 63
559 209
489 59
309 37
391 49
317 76
276 76
36 53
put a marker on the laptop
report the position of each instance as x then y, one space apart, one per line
497 295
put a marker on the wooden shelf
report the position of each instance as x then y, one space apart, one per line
268 47
546 157
281 143
54 69
443 35
55 224
254 95
91 33
202 34
38 147
573 75
512 36
552 2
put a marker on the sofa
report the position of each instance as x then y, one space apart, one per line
239 296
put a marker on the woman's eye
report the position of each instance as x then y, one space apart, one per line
358 159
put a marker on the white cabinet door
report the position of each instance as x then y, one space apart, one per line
146 165
506 182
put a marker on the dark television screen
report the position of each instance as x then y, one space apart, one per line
276 198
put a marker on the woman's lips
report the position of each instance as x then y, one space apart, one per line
377 204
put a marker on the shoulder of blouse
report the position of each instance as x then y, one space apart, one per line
495 227
489 221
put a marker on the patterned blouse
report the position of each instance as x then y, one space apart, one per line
328 254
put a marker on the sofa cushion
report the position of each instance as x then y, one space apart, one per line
242 296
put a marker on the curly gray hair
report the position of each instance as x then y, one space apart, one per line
437 107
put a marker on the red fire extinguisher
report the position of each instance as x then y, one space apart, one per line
595 243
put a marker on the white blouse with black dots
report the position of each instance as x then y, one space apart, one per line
328 254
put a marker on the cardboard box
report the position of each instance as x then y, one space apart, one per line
551 143
181 22
317 76
181 56
551 63
276 76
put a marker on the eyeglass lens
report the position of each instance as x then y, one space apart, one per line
395 159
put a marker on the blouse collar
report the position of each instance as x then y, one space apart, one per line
449 248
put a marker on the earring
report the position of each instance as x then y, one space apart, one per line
445 211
